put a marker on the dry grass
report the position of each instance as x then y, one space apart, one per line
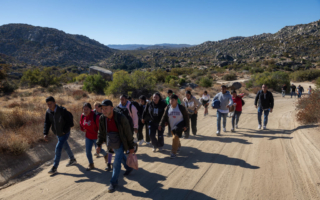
309 108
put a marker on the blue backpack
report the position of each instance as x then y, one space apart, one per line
216 104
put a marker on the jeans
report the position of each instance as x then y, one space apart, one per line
299 94
62 143
89 144
266 113
153 128
175 143
193 118
140 131
283 93
236 118
224 116
119 157
293 93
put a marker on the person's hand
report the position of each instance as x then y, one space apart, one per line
184 128
256 106
98 149
135 130
235 104
159 128
131 151
142 121
228 106
195 112
271 110
46 138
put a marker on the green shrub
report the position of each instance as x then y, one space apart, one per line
318 82
229 77
182 81
274 80
160 75
43 78
306 75
94 83
170 77
173 83
205 82
81 77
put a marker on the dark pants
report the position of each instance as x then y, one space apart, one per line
140 131
153 129
62 144
266 114
235 118
193 119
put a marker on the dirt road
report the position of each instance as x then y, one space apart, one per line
282 162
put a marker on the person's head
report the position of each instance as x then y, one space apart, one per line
107 108
292 84
86 109
156 98
129 98
142 100
170 92
264 88
310 86
96 106
234 93
188 94
174 100
205 92
223 89
123 99
51 103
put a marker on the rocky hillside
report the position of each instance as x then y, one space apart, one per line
146 47
50 47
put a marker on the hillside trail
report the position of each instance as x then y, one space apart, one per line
282 162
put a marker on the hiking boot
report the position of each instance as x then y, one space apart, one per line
90 167
259 127
112 188
109 167
218 133
52 171
173 156
128 172
72 162
141 142
97 155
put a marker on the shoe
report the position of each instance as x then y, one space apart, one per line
95 154
264 128
112 188
154 149
232 130
169 135
109 167
224 130
72 162
160 149
90 167
259 127
173 156
218 133
52 171
141 142
128 172
148 143
237 126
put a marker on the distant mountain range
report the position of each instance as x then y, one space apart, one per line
146 47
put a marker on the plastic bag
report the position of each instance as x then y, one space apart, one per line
132 161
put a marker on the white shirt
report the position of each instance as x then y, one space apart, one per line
205 97
175 116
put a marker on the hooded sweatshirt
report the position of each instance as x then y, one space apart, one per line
191 104
90 125
225 100
133 114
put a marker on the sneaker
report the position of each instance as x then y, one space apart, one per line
128 172
218 133
264 128
72 162
232 130
52 171
259 127
141 142
224 130
109 167
95 154
154 149
173 156
90 167
111 188
148 143
160 149
237 126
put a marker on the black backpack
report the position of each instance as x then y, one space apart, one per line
243 102
69 118
135 104
125 112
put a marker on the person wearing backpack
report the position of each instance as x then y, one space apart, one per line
153 114
142 105
266 103
97 109
192 105
60 120
238 103
177 117
114 129
133 112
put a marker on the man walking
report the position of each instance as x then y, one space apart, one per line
114 129
192 105
266 103
60 122
225 103
133 112
284 89
293 90
300 91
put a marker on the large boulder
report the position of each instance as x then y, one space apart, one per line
234 86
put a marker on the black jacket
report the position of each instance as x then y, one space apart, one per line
149 115
124 129
264 102
57 121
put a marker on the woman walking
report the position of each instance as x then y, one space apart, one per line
205 102
142 105
153 114
89 123
237 102
192 105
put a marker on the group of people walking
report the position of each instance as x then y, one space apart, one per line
295 91
121 127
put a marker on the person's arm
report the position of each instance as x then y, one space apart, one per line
256 99
127 131
215 97
271 101
164 118
168 100
145 112
198 104
102 133
230 100
135 117
47 124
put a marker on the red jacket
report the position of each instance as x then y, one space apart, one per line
238 101
87 123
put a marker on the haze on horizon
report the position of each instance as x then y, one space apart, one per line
151 22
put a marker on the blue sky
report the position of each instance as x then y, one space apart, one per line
160 21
